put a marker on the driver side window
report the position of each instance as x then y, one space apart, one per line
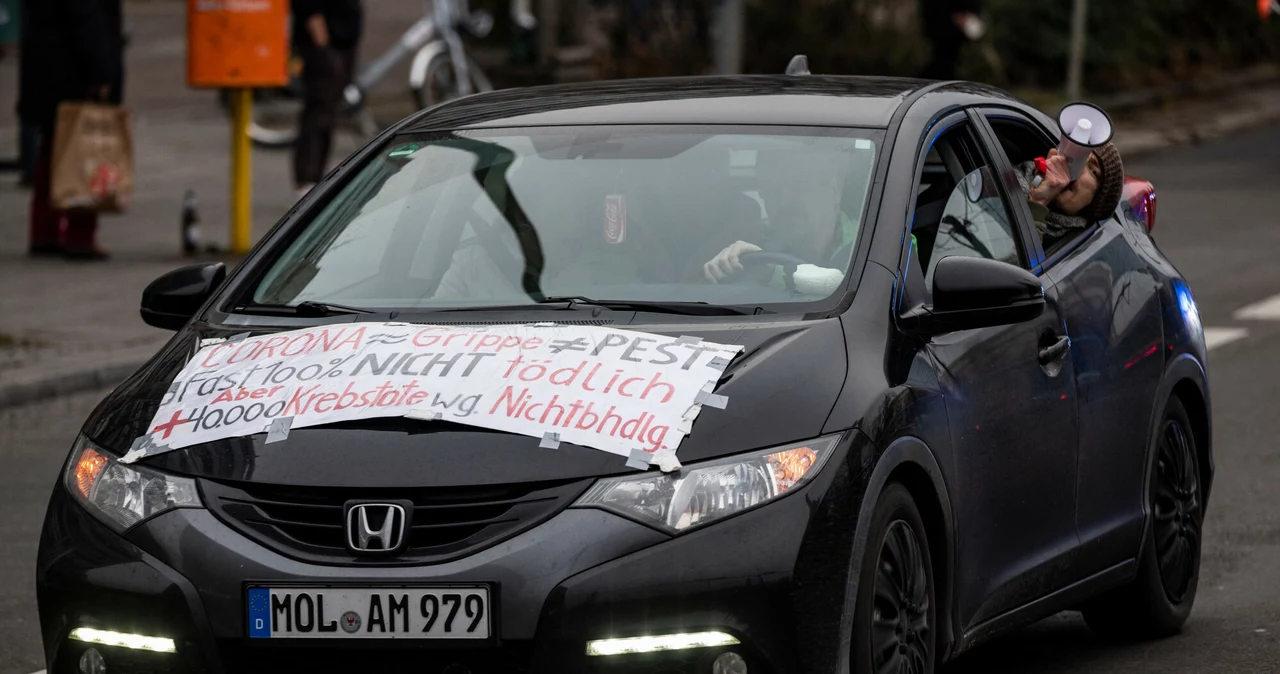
959 207
975 223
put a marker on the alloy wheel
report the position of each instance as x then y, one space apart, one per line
1177 509
901 635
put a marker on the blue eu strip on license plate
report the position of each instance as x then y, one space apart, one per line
259 613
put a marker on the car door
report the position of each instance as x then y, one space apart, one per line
1010 400
1110 299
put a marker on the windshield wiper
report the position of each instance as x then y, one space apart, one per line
308 309
680 308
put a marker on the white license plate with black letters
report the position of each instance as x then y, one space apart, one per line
369 613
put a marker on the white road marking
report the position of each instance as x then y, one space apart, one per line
1266 310
1215 337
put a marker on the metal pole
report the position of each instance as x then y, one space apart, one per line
241 171
1075 65
728 38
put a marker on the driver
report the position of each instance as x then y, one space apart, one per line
807 222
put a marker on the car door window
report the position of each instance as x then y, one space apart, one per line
975 223
960 208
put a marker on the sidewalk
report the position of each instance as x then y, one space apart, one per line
67 327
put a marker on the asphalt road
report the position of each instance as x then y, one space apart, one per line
1218 206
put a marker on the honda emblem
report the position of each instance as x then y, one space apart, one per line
375 527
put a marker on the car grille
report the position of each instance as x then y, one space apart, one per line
307 523
512 657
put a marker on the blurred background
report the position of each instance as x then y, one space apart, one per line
1194 86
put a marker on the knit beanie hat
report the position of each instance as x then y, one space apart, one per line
1110 186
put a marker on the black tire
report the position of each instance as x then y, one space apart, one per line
895 619
1157 603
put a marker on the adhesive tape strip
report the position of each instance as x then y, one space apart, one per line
718 363
550 440
278 430
710 399
423 415
240 337
142 447
210 341
717 401
639 460
688 339
668 463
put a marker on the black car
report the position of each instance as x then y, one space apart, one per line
978 429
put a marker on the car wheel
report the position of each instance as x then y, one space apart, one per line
894 626
1159 600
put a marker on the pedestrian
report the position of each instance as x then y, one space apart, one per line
947 24
72 50
326 33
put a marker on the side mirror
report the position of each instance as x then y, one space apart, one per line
171 300
974 292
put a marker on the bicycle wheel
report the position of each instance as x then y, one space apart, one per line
276 111
275 121
440 82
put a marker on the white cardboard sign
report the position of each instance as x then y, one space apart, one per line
615 390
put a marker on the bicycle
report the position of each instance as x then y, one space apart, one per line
441 70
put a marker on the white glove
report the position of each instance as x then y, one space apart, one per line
814 280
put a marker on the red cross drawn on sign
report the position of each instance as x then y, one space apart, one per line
169 425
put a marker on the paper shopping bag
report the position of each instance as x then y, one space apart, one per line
92 158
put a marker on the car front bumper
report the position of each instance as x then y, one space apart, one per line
774 577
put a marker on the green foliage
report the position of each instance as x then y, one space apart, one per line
1130 42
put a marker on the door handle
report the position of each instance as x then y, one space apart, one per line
1056 351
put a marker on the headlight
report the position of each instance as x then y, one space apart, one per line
706 492
123 495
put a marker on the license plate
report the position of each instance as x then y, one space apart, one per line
369 613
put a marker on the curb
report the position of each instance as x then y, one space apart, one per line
1156 96
13 395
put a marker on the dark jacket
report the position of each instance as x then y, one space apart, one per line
344 19
69 49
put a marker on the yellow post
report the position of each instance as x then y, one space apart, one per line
241 171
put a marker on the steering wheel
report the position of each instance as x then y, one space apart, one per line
787 261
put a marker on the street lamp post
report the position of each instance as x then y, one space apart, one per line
1075 63
728 38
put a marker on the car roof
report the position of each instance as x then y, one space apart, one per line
804 100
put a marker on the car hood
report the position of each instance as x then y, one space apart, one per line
781 389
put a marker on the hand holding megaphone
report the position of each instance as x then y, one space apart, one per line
1053 174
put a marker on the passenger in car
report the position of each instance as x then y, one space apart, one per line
1061 207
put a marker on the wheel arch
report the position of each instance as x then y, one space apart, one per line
910 462
1185 378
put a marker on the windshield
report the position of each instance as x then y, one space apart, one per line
642 214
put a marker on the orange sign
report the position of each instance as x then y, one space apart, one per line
237 43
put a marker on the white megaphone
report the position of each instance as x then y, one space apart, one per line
1084 127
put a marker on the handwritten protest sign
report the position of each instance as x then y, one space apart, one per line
610 389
